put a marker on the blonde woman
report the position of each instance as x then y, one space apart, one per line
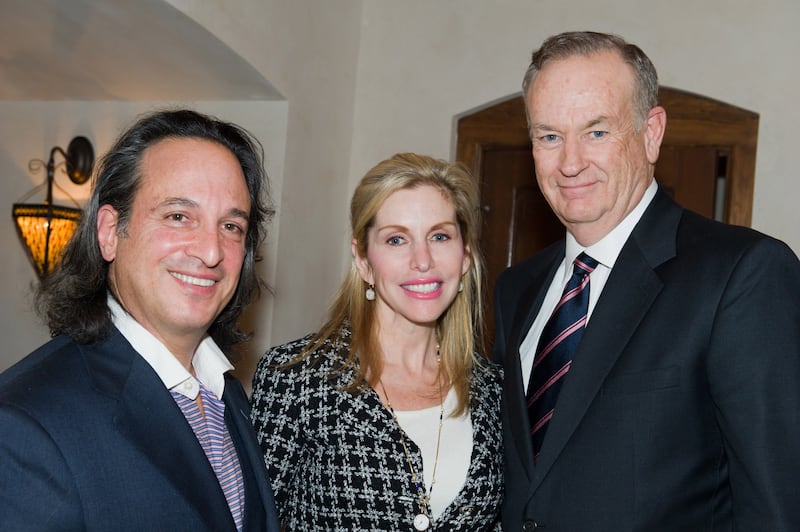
388 418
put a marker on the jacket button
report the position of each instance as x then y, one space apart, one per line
529 526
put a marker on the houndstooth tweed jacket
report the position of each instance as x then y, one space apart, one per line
335 458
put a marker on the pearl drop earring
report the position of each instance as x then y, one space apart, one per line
370 293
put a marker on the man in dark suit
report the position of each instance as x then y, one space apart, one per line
679 407
127 419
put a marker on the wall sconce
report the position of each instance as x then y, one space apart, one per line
44 229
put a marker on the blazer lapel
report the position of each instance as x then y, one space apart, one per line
527 308
629 292
149 417
250 457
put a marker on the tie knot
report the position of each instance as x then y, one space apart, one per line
584 263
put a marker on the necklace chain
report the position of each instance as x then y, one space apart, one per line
423 495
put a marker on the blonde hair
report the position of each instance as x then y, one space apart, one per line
460 327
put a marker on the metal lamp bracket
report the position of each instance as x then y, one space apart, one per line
79 160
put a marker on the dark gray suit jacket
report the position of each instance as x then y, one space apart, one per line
682 407
90 439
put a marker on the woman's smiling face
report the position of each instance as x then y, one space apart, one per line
415 256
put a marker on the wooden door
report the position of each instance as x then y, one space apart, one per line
707 162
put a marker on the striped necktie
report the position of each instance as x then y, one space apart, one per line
560 338
213 435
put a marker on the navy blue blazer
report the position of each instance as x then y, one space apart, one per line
681 410
90 439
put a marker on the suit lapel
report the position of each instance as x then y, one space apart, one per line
630 291
148 416
526 310
250 458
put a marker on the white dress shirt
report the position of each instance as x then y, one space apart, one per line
209 362
605 252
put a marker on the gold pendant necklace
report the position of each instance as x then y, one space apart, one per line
422 521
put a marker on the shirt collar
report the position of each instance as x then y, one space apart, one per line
209 362
609 247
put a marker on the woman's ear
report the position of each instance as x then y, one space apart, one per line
107 222
362 264
467 262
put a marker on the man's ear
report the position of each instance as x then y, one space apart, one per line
362 264
107 222
654 127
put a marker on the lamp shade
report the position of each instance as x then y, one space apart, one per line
45 230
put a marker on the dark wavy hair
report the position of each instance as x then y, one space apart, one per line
72 299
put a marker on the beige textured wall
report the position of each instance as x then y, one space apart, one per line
422 63
363 80
308 50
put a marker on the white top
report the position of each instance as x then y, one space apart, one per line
455 449
209 362
605 252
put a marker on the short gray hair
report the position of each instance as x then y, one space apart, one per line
585 43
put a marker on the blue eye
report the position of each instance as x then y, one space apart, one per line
598 134
441 237
550 138
394 241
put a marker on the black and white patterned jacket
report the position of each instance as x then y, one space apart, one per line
335 458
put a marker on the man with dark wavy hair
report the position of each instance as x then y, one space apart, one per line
128 418
652 356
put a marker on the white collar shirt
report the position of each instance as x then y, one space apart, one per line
605 252
209 362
